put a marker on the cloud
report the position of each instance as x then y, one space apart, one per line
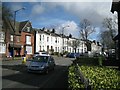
37 9
94 11
70 27
57 0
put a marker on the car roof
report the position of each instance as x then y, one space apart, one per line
43 55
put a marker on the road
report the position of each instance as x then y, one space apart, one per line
14 75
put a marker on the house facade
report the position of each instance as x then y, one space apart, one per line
18 39
2 44
46 40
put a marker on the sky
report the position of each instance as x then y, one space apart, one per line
62 13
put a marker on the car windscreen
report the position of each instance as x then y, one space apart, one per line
41 58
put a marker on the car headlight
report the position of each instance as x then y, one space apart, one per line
43 66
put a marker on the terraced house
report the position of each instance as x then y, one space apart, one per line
18 41
48 40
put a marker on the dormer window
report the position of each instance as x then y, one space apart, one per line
28 29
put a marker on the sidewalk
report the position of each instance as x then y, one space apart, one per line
11 58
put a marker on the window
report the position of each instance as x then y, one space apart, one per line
11 38
18 38
2 36
28 40
56 49
40 37
56 40
40 48
47 39
2 48
28 29
29 49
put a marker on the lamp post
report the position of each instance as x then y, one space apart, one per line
63 38
15 27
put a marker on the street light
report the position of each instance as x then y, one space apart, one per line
63 38
14 26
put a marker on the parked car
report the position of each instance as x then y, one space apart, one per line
68 54
43 53
40 53
41 64
74 55
36 54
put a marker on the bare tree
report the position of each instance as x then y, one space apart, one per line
6 11
106 40
106 36
110 24
86 29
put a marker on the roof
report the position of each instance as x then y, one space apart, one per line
115 6
43 55
22 24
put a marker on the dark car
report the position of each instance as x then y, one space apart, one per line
68 54
41 64
74 55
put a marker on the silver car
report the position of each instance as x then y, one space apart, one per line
41 64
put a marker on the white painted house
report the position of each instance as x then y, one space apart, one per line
2 43
47 41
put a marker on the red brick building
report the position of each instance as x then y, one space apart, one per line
19 41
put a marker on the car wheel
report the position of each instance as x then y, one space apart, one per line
47 71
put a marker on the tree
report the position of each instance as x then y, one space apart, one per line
106 36
74 44
6 11
106 40
86 29
7 16
110 25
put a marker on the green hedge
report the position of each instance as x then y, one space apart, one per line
73 80
100 77
90 60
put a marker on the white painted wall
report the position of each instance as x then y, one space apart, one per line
58 46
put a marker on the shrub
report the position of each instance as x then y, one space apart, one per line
100 77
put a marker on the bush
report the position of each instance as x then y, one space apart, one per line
100 77
73 80
90 60
56 53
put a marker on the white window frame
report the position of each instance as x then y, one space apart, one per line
2 37
28 40
18 38
2 48
11 38
29 49
28 29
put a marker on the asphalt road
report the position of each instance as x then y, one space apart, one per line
14 75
